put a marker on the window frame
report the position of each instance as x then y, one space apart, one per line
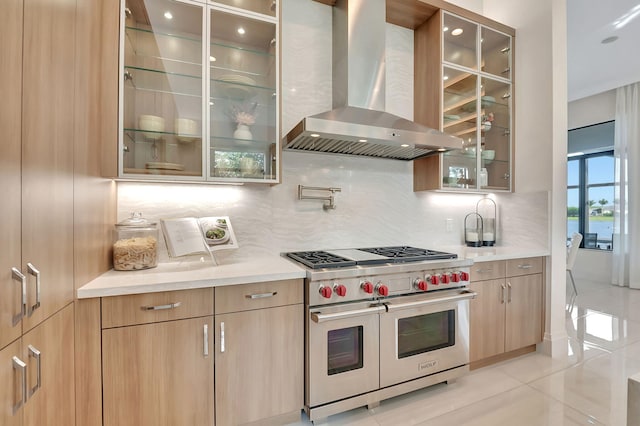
583 189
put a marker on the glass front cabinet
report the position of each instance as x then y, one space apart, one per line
472 84
199 93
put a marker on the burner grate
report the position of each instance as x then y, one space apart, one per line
400 254
320 259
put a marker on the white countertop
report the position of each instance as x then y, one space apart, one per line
182 275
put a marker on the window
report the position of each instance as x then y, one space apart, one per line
590 187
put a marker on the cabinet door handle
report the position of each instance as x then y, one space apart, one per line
33 271
505 49
525 266
221 337
482 271
21 366
20 277
506 70
33 352
506 96
161 307
509 285
261 295
502 293
205 337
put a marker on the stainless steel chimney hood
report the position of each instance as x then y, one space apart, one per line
358 124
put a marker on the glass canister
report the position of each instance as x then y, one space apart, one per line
135 244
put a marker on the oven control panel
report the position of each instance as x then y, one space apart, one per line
379 286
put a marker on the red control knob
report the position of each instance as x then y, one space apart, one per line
445 278
433 279
382 289
340 290
420 284
455 277
367 287
325 292
464 276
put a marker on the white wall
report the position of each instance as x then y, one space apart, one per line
592 110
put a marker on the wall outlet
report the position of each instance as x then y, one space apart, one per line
448 225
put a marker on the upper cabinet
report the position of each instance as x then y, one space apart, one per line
464 69
199 94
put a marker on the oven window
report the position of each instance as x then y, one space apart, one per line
426 333
344 350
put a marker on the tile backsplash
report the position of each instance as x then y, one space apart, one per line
377 205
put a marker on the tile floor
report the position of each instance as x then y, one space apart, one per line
589 387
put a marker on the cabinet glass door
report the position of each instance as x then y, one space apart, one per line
460 40
162 112
496 133
243 98
496 53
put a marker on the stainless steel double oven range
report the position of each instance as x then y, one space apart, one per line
381 322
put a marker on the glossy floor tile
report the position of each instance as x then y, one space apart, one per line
588 387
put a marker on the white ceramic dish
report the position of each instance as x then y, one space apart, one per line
151 123
218 230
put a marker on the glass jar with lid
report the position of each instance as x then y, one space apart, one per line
135 244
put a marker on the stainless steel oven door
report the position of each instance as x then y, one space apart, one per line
342 358
424 334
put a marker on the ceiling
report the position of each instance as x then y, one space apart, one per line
594 67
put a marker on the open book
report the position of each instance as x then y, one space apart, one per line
190 235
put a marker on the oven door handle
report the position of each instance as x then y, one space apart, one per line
320 317
436 301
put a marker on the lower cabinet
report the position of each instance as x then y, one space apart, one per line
157 361
166 360
159 374
259 353
37 375
507 314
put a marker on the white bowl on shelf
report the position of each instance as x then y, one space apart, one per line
151 123
186 130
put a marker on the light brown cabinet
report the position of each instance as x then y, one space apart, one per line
157 359
464 87
259 353
507 314
160 350
36 373
36 186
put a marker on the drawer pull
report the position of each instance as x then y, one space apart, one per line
20 277
484 271
261 295
525 266
205 336
33 271
221 337
161 307
20 365
33 352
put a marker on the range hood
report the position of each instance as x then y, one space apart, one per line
358 124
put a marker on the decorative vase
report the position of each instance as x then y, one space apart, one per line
242 132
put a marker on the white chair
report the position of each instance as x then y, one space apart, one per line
572 253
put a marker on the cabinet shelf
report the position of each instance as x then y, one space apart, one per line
162 72
154 33
136 171
241 49
186 138
457 79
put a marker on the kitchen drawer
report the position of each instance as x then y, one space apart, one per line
530 265
118 311
245 297
487 270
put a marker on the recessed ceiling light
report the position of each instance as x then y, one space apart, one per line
241 30
445 78
445 29
362 140
404 145
212 58
442 149
314 135
168 15
457 31
609 40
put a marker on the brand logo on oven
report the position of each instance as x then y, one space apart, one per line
427 364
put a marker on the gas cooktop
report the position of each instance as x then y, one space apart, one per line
344 258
